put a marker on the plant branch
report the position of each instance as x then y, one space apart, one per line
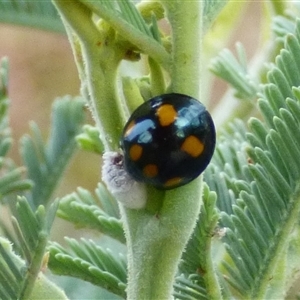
101 57
34 269
145 43
156 242
187 33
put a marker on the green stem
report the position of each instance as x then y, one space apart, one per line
131 93
156 241
143 42
158 86
211 280
204 232
35 267
101 58
187 32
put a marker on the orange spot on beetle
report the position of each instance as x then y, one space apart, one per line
150 170
193 146
166 114
172 182
135 152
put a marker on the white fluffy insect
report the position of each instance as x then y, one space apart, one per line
122 186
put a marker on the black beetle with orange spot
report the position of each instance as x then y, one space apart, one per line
168 141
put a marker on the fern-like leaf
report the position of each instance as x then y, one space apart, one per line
32 230
211 10
38 14
11 176
127 13
283 26
227 174
46 163
235 72
90 262
84 210
190 288
11 274
89 139
266 184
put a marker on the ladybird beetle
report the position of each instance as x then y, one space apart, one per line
168 141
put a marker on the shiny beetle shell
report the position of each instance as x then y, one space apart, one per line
168 141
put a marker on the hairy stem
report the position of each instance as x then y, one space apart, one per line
186 25
156 241
101 58
34 269
143 42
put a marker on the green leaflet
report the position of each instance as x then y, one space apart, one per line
189 288
211 10
129 13
38 14
88 261
42 14
32 228
100 213
11 177
89 139
46 162
10 271
235 71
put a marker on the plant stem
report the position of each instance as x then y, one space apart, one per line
145 43
186 22
34 269
156 241
208 221
101 59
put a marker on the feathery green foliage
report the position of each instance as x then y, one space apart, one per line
11 177
32 229
32 223
234 71
36 14
84 210
90 262
89 139
262 173
127 11
46 163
